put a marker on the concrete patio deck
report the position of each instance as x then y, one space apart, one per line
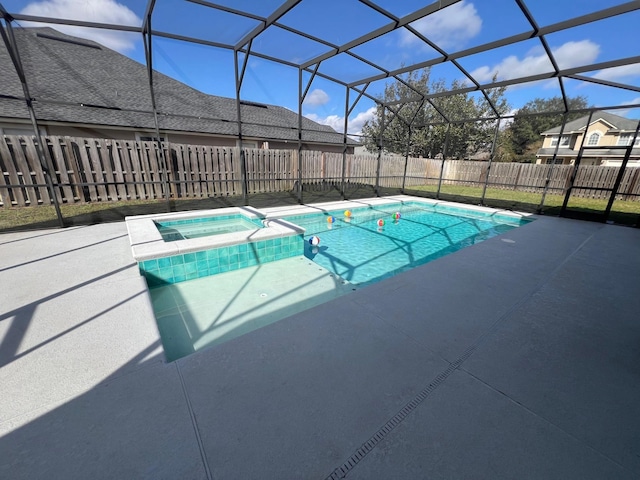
508 359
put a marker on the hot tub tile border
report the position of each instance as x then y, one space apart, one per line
182 267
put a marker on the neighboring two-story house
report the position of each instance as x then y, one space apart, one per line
603 139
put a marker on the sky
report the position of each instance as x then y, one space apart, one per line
463 25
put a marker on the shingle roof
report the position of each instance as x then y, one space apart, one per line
599 152
618 122
80 81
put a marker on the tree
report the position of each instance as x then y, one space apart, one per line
429 122
525 130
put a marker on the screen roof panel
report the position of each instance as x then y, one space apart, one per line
590 41
600 41
262 8
334 21
389 50
347 68
467 24
519 60
561 11
283 44
201 21
605 95
122 12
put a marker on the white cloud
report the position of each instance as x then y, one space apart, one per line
316 98
631 112
617 73
449 28
570 54
356 124
101 11
574 54
337 122
334 121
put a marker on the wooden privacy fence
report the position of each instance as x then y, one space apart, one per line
103 170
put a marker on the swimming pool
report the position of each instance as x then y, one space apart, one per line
208 290
371 244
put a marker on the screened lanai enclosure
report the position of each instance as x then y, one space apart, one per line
113 108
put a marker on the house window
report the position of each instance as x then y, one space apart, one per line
151 139
145 137
564 141
249 144
594 138
625 140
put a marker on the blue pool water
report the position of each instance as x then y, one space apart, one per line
204 227
361 252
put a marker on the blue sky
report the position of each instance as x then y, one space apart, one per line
458 27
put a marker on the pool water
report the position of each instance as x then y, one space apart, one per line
203 227
361 252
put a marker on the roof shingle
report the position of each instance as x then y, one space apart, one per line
80 81
618 122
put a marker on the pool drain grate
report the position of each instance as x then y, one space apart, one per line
370 444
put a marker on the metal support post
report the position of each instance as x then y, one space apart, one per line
406 156
575 167
493 150
301 96
239 76
444 157
148 52
300 100
380 142
45 161
348 111
553 164
406 161
625 160
344 146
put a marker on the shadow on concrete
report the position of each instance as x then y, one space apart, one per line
23 316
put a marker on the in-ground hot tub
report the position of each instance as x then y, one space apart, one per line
207 242
173 230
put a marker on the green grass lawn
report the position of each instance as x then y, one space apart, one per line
623 212
17 218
